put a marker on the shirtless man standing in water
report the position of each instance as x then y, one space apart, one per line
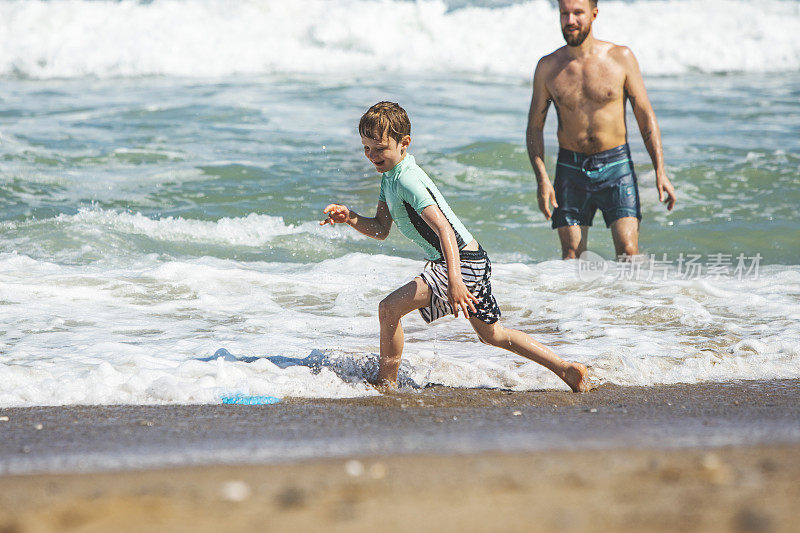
589 82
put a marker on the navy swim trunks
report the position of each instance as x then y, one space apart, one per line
584 183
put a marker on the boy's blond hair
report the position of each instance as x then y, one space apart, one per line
385 118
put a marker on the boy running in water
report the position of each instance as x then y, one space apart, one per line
457 277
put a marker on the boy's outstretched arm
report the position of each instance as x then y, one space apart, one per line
377 227
457 292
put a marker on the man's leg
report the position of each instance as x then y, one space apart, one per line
573 241
409 297
573 374
625 232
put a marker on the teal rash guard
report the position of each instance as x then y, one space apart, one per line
407 190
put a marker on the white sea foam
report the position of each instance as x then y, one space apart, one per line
253 230
152 331
75 38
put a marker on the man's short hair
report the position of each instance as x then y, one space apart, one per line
385 118
593 3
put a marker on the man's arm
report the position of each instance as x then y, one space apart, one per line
648 126
377 227
540 103
457 292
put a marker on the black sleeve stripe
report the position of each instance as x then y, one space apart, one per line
459 239
425 230
422 227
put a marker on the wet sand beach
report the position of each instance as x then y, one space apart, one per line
705 457
717 489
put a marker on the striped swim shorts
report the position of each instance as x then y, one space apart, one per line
476 271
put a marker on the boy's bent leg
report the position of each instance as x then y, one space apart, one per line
409 297
573 374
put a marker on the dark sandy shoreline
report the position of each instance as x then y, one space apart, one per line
436 420
706 458
739 489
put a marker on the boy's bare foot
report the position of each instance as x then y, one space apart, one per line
575 376
385 386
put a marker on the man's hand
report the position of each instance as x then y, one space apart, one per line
460 298
547 195
337 214
666 192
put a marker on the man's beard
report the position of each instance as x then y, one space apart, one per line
576 39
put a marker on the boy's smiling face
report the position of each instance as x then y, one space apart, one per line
386 153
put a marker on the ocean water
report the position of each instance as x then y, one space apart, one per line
164 165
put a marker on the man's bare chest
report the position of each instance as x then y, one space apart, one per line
578 86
